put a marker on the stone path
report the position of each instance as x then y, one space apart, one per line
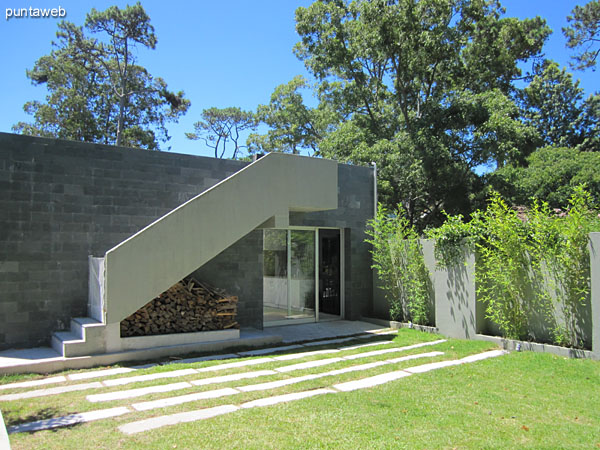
206 413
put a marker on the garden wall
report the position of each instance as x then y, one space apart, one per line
458 314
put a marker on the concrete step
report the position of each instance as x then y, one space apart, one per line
87 328
85 338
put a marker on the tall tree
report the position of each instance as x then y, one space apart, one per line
553 103
221 126
551 175
293 126
423 88
584 34
96 92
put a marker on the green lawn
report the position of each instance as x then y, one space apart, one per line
521 400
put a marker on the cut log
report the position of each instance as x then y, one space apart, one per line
187 306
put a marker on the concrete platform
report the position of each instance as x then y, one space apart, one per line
47 360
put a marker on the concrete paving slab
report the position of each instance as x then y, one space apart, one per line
50 391
71 419
34 383
299 355
4 442
323 330
370 344
433 366
233 377
277 384
373 353
144 366
411 357
308 365
132 393
163 421
99 373
371 381
329 342
204 358
171 401
233 365
285 398
266 351
358 368
149 377
484 355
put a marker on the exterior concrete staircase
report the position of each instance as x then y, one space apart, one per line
261 195
82 340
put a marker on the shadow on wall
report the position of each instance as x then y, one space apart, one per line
457 313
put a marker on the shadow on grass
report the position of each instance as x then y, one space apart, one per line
42 414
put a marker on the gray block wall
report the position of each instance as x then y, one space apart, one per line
355 208
61 201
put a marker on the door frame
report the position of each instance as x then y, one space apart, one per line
316 273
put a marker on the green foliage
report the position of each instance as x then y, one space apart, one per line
569 263
584 34
553 104
451 238
219 126
422 88
503 277
530 263
398 258
293 126
551 175
96 91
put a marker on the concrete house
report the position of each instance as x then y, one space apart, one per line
91 233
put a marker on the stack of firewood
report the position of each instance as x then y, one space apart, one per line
186 307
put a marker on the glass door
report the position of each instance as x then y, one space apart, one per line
329 274
289 285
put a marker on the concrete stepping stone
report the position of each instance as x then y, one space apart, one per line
233 377
370 344
71 419
162 421
132 393
308 365
34 383
149 377
484 355
411 357
371 381
304 354
266 351
51 391
373 353
204 358
144 366
171 401
279 383
330 341
433 366
268 401
99 373
4 442
233 365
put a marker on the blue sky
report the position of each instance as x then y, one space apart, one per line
231 53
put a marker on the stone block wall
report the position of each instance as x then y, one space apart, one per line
355 208
61 201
